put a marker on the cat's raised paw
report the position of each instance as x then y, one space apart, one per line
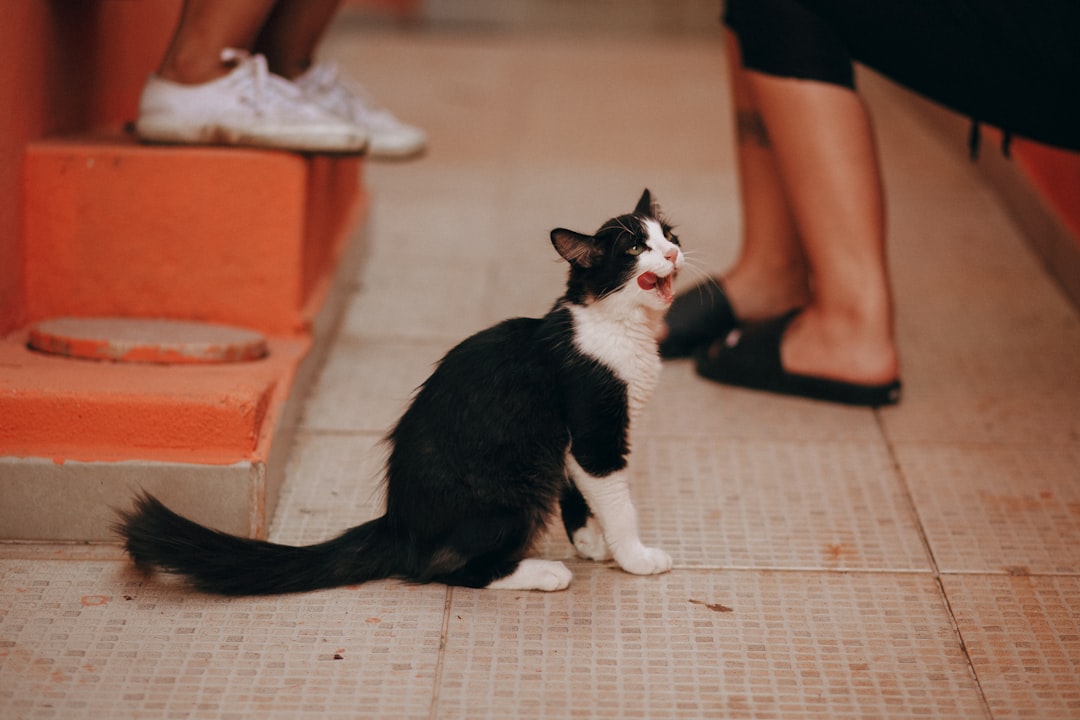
589 541
533 574
644 561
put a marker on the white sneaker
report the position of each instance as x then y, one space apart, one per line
250 106
388 137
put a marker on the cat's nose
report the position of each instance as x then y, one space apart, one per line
672 255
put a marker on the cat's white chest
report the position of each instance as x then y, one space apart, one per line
628 349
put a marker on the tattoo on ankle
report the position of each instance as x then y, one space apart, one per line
750 128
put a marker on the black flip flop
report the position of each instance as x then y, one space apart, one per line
750 358
697 317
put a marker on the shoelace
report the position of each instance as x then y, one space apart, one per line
269 90
324 75
327 80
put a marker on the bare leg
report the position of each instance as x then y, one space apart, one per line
206 28
292 33
824 147
770 275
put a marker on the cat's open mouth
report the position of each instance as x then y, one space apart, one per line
662 285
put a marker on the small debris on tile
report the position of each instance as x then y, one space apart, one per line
94 600
715 607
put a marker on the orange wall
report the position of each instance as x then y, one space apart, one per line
1055 173
69 66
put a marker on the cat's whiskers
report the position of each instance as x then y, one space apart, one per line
698 274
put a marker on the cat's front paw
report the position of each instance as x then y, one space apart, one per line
590 543
643 560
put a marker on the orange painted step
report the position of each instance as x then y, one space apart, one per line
104 411
256 239
237 236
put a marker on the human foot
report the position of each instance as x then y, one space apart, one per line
839 348
697 316
753 356
707 311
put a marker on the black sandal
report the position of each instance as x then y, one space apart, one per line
750 358
697 317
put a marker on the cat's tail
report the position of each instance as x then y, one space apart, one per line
157 538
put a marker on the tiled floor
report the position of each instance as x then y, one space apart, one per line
922 561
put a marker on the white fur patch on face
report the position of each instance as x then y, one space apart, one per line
658 265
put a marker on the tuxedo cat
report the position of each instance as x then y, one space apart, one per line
528 415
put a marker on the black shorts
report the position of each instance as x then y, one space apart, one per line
1014 64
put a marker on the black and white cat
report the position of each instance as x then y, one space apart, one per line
528 415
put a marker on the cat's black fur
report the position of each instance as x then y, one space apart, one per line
478 461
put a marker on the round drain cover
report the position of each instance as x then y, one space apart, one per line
146 341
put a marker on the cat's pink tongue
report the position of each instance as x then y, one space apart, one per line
649 281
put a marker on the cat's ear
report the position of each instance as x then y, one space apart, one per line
646 205
577 249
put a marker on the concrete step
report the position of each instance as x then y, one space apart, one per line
78 437
267 241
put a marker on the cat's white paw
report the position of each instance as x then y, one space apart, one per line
589 541
643 560
533 574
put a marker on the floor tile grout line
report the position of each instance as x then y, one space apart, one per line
963 645
935 567
416 341
969 444
847 440
913 508
1003 573
797 569
338 432
444 638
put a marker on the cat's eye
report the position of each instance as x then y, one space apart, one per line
636 249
